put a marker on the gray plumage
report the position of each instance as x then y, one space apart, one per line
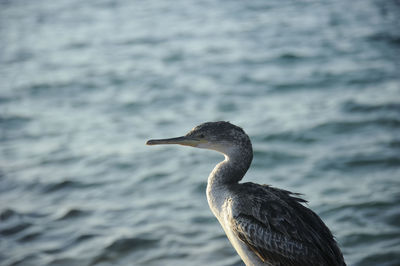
266 225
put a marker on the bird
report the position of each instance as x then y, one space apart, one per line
266 225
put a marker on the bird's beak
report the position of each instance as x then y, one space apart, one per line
184 140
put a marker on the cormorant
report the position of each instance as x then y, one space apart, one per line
266 225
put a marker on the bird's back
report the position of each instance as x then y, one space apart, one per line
275 226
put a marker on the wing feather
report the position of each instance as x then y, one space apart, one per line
271 247
280 230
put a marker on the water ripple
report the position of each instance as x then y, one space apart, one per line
352 106
122 246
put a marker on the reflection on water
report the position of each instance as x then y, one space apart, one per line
85 84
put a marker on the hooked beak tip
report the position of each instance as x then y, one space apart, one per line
150 142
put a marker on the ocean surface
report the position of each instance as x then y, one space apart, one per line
84 84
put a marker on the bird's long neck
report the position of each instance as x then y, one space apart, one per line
233 168
228 172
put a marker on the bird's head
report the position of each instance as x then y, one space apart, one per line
220 136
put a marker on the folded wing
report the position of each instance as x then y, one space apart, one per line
280 230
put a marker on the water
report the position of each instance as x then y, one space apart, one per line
83 85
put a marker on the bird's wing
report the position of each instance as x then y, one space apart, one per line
281 230
272 247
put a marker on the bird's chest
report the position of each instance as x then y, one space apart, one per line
225 218
245 253
216 197
222 203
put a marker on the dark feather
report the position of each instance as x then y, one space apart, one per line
279 229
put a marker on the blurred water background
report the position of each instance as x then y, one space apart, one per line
83 85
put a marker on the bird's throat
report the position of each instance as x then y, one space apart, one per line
225 174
